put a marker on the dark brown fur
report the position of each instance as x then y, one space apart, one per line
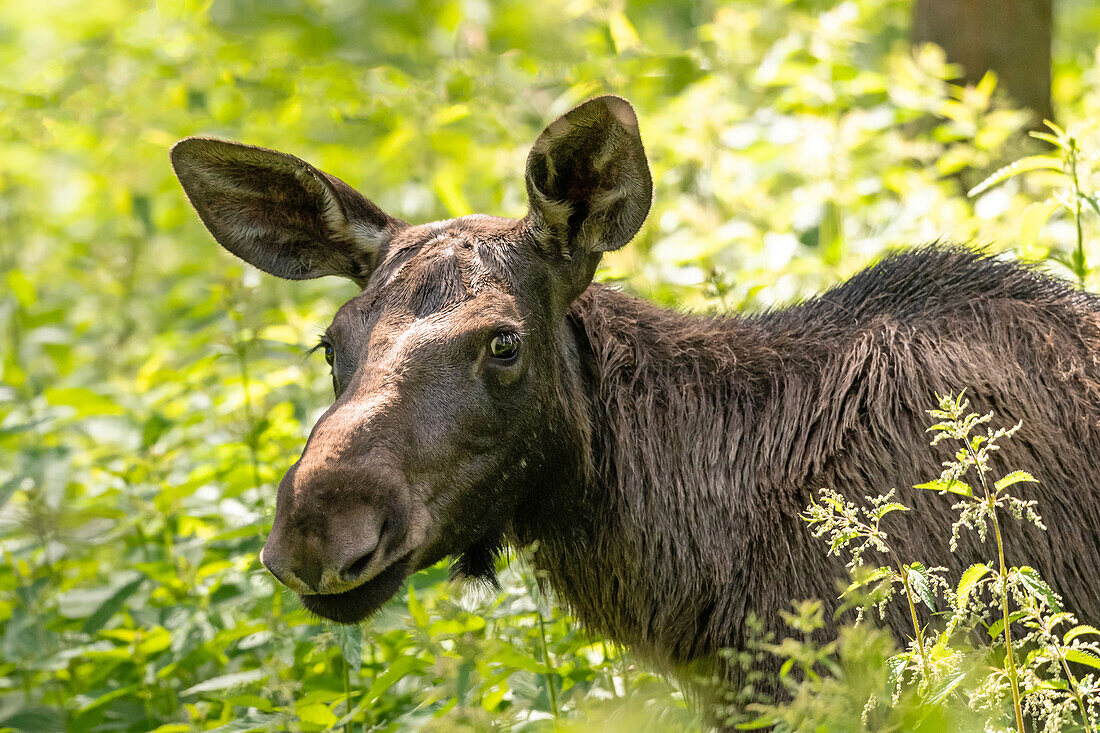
658 462
711 435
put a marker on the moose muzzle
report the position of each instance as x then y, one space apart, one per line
340 519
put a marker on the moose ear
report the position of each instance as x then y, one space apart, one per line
280 213
588 183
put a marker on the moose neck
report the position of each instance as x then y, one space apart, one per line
655 547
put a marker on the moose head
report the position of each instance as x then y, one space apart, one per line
459 400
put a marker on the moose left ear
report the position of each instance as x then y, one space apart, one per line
279 213
588 183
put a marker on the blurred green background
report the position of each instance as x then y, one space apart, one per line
153 388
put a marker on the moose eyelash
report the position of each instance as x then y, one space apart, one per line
321 343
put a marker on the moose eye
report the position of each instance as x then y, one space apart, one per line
504 346
330 355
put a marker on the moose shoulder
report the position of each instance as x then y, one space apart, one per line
486 393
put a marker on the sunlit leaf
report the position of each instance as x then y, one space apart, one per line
998 627
955 487
1082 656
1029 577
225 682
1023 165
316 714
1032 220
969 580
918 579
1013 478
945 687
1080 630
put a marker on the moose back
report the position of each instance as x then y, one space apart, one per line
487 393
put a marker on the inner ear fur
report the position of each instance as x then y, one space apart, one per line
279 213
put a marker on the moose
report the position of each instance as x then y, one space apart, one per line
489 394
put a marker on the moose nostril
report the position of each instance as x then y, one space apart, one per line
355 568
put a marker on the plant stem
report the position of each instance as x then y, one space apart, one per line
246 384
1079 256
624 672
1070 679
349 725
916 625
548 662
1012 672
1077 693
1089 727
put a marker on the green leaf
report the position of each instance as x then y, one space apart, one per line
84 400
446 183
831 232
1081 656
404 665
764 721
1032 220
517 659
38 719
842 539
22 288
226 681
1045 685
350 641
1036 586
1080 630
110 607
955 487
1013 478
892 506
153 429
251 722
315 714
1093 201
895 667
876 574
107 697
949 682
1030 163
969 579
8 488
998 627
622 32
1047 137
918 580
416 610
1057 130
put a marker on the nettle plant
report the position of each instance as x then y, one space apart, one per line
1073 167
1050 671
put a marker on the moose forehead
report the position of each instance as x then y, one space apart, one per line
433 270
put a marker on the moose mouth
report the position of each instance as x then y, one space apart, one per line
352 606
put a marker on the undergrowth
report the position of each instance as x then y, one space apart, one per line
1002 653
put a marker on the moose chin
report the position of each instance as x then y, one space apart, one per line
487 394
352 606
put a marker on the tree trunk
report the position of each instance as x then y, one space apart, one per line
1008 37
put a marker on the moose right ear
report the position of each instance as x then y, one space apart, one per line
588 186
279 213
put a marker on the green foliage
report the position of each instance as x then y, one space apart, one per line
942 679
1076 169
152 389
